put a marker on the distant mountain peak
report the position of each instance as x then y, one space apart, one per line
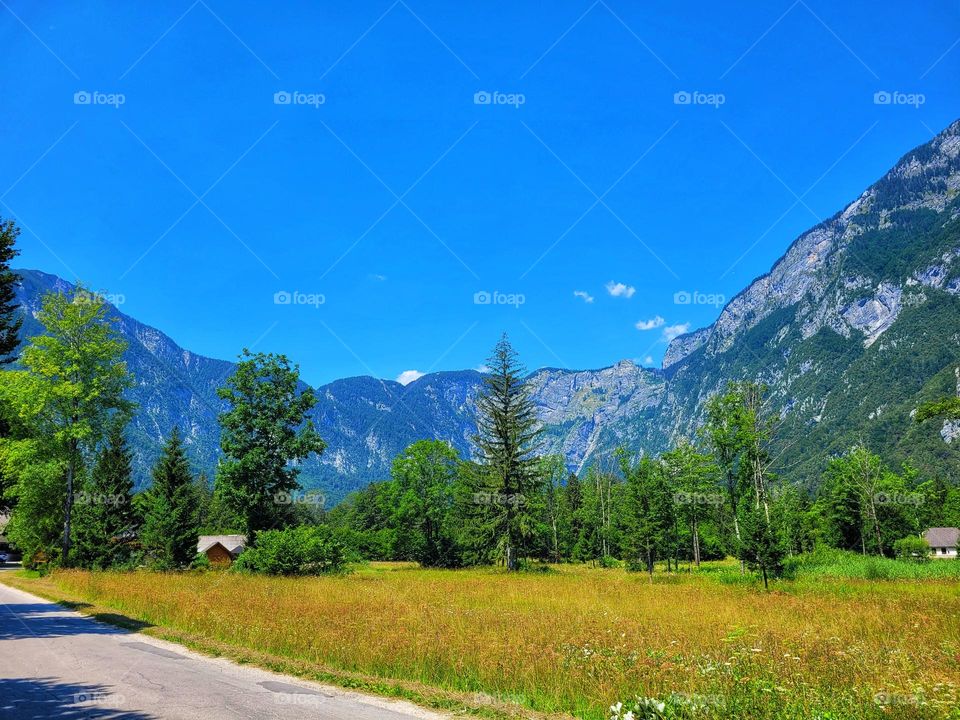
850 329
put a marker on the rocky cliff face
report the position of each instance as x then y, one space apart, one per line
857 323
928 178
853 326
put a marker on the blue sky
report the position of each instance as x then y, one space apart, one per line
410 220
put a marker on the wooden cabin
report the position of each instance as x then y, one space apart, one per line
221 550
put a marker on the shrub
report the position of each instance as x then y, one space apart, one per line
303 550
913 548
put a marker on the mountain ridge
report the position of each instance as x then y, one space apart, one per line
856 322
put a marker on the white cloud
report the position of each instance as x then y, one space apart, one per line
651 324
408 376
378 277
483 369
584 295
672 331
648 360
618 289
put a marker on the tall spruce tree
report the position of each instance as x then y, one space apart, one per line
171 525
508 438
106 519
10 320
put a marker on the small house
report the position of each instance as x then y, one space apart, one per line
221 550
943 541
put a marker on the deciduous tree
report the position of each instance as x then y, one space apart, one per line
72 384
265 433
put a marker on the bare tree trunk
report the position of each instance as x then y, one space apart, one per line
696 543
67 512
736 529
556 546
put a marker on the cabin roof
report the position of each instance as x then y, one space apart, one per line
232 543
942 537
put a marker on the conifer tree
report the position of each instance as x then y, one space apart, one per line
10 320
106 518
507 440
648 513
171 525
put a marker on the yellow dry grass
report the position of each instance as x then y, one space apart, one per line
576 640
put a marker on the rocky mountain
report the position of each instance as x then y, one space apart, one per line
852 327
857 323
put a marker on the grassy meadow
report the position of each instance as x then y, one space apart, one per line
841 640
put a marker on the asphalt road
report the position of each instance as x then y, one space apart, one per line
56 663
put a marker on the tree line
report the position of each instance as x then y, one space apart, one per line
66 475
713 497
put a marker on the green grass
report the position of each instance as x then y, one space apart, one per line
834 643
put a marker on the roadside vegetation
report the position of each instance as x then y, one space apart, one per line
576 640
